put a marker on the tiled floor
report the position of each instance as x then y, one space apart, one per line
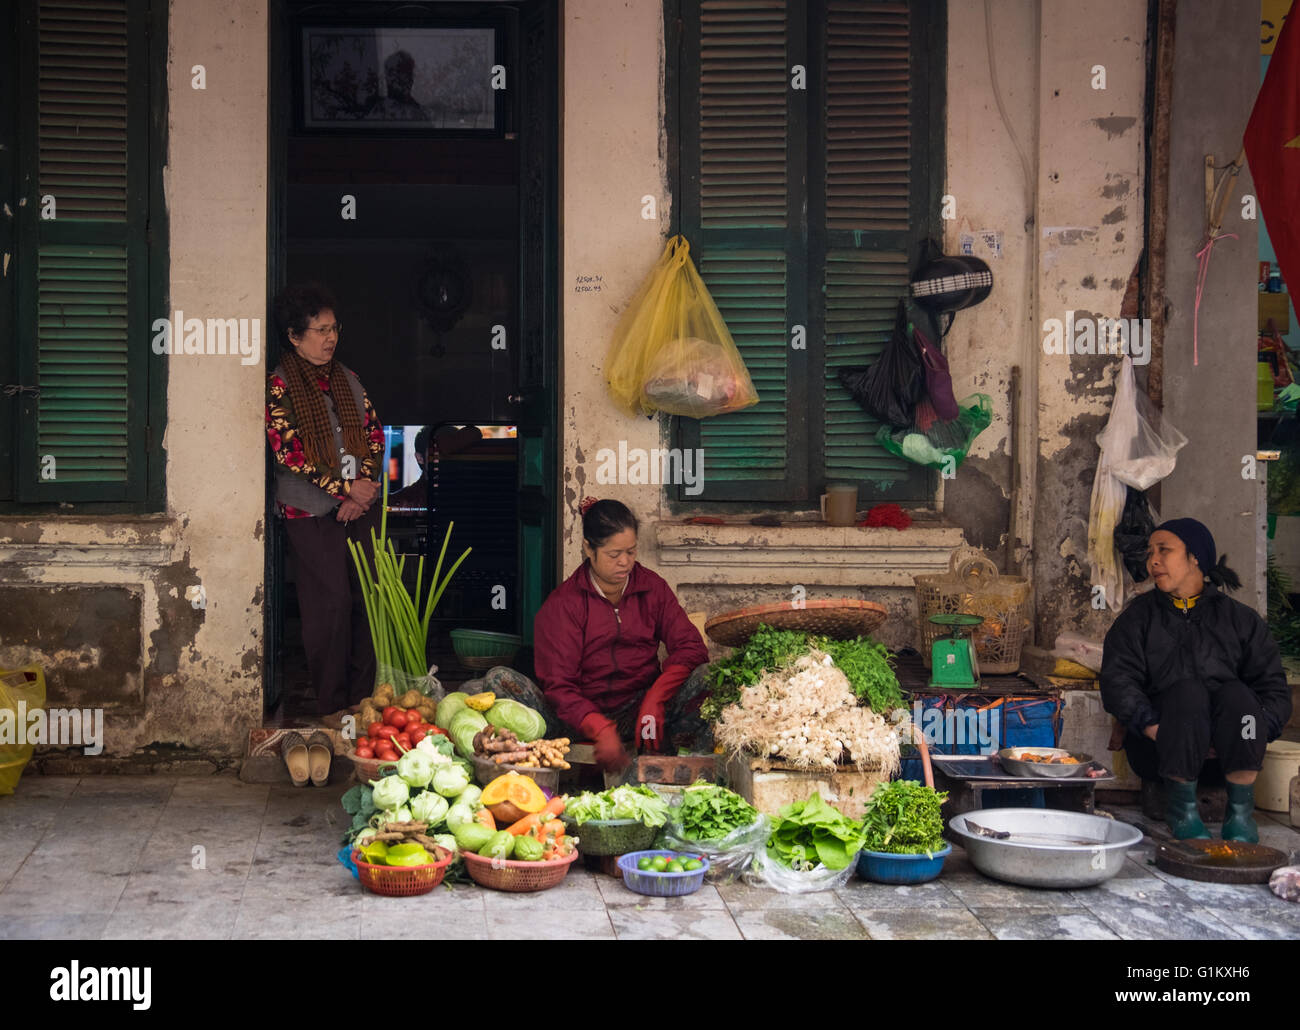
170 857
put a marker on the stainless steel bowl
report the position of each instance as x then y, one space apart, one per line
1030 856
1007 758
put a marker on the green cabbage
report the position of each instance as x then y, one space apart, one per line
526 723
448 842
448 707
401 814
464 725
471 794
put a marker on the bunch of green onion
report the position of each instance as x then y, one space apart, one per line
398 627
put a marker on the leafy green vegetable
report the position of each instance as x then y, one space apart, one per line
710 812
359 800
640 803
767 649
870 670
806 833
903 818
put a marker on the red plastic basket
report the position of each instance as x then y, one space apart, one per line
518 877
402 881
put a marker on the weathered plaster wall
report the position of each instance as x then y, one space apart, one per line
128 630
1085 151
1216 78
613 156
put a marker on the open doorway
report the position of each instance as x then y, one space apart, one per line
413 171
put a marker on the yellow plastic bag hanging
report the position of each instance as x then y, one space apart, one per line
672 351
26 685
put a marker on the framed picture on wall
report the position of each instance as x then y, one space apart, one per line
444 80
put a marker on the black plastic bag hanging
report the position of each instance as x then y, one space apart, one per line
890 388
1133 533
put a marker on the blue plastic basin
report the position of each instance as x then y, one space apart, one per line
882 867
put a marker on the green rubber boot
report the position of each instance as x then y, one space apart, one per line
1181 813
1239 819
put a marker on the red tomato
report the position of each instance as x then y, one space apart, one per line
413 718
386 732
391 713
403 741
365 752
417 734
373 729
436 729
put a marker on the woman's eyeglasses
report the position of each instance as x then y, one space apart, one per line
326 330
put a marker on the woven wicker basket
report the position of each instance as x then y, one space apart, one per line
517 877
972 585
837 619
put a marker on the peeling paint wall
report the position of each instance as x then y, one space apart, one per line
167 663
612 151
1086 154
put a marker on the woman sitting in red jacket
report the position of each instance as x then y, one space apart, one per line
596 649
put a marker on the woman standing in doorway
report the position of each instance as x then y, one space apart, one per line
327 444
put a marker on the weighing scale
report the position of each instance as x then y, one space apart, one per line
953 665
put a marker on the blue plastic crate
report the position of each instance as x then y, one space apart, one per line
976 724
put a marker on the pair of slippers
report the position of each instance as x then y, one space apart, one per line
308 759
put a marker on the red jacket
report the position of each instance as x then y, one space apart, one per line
591 657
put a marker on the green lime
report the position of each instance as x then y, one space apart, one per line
659 863
644 862
691 864
676 867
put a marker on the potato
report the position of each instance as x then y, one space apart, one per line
411 699
383 695
369 713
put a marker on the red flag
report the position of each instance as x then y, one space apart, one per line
1273 148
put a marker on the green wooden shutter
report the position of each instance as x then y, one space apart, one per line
84 277
742 210
872 205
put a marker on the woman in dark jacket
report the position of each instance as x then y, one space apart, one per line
1186 668
596 649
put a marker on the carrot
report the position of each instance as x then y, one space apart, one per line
555 806
484 818
554 826
525 825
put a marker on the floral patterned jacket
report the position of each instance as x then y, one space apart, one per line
287 446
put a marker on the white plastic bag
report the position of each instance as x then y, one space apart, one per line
1138 450
1077 648
728 856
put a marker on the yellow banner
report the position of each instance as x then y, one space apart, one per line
1271 15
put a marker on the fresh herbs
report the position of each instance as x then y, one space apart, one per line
710 812
640 803
808 833
869 667
903 818
767 649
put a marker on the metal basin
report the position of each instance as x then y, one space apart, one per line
1010 759
1027 858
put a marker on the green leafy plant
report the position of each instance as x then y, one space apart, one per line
903 817
710 812
399 623
810 832
870 669
767 649
1283 619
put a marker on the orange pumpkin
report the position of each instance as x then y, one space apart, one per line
520 791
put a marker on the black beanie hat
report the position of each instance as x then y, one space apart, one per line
1200 545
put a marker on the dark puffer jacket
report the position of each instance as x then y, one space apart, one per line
1154 644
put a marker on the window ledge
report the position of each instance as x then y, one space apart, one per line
807 552
93 540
